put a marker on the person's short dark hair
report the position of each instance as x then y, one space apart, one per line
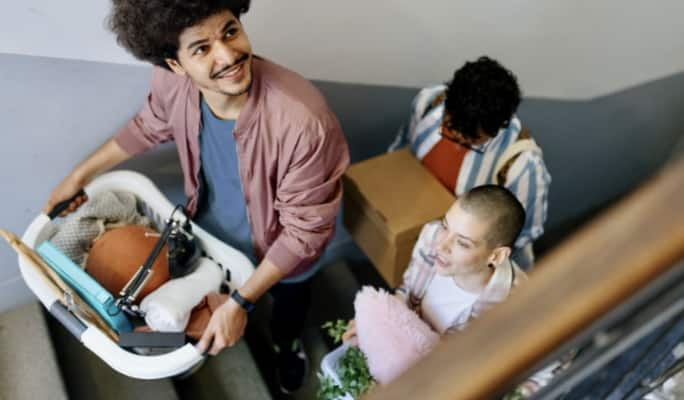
150 29
500 208
481 94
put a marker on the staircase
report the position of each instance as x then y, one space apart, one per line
40 359
28 364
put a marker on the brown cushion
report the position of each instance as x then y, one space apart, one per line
117 255
201 314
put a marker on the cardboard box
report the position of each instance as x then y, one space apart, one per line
387 200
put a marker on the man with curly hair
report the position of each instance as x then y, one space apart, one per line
261 152
467 134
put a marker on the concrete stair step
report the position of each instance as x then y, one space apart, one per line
87 377
28 365
232 375
333 289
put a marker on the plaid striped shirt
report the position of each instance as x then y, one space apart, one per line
527 177
421 270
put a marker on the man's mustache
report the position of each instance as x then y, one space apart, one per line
215 75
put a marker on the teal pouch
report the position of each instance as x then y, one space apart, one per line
90 291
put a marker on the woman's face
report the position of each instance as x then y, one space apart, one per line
461 246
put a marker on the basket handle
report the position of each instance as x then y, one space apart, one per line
63 205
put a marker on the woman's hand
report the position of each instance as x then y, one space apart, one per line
350 334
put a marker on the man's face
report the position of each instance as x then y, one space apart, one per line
461 246
216 55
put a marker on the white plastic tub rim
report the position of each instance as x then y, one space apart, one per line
329 365
156 206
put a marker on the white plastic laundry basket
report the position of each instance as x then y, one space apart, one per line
156 206
329 367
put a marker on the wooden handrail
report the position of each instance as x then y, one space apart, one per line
618 253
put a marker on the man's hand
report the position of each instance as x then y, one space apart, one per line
227 324
104 158
66 189
225 328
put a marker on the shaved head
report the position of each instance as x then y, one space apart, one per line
499 208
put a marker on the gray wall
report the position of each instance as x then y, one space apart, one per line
562 49
56 111
596 150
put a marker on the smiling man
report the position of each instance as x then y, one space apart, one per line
261 152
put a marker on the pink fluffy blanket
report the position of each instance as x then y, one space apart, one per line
392 336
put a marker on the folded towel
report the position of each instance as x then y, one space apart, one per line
168 308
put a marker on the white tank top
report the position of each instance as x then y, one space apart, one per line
446 304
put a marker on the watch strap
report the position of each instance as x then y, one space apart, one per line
245 304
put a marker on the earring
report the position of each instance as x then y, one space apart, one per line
491 266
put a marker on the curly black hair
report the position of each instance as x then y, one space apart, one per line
481 94
150 29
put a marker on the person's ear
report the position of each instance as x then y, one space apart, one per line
499 255
175 66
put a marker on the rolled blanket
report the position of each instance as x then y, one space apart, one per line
168 308
391 336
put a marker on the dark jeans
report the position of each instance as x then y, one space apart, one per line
290 305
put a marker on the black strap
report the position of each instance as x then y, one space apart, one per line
130 291
244 303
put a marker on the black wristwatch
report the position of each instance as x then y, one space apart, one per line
245 304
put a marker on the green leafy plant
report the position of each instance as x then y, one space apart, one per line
352 369
354 374
329 389
335 329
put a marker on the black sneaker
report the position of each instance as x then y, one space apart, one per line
292 367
